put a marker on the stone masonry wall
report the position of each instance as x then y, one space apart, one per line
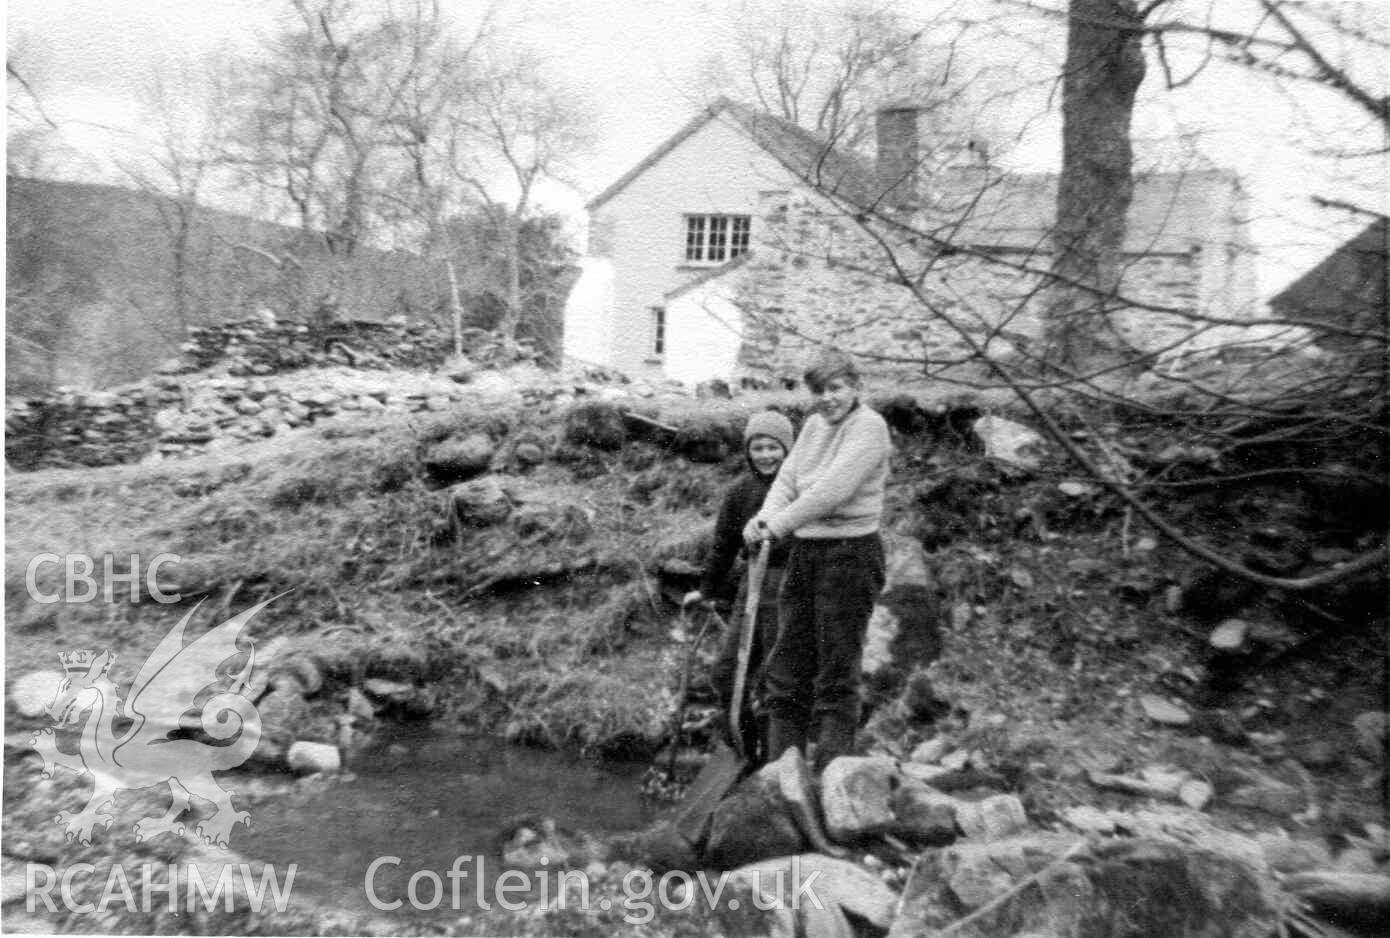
245 381
817 278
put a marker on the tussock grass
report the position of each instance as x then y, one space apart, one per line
551 623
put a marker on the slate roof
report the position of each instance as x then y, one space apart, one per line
1351 279
1170 213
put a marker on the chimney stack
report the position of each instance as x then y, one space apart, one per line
899 153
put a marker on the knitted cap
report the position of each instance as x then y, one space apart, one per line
771 424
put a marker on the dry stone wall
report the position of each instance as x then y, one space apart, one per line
817 278
245 381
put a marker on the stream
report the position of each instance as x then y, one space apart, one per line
429 799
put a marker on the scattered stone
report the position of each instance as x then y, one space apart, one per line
31 693
534 842
390 691
1010 442
922 814
1076 489
528 453
1229 636
994 818
1196 794
753 823
303 669
848 899
459 369
1371 729
956 761
1356 899
1089 820
855 797
1358 860
1120 887
598 424
14 884
930 751
358 706
1163 711
1267 794
1286 855
480 502
1161 790
283 709
1165 778
1172 599
309 758
921 702
458 460
937 776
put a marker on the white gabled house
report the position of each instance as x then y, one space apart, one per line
732 246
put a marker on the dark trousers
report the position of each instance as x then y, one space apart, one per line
827 598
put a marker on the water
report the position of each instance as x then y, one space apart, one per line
428 800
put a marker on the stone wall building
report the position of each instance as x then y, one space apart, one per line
910 262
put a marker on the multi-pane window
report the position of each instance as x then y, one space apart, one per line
713 239
658 331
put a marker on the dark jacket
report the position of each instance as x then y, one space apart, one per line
741 502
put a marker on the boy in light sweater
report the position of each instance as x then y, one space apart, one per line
829 497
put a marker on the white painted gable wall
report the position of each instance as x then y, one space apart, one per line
642 231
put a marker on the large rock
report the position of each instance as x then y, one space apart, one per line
1120 889
1268 794
283 716
923 815
1360 900
31 693
481 502
810 896
598 424
1010 442
994 818
458 459
753 823
856 797
314 758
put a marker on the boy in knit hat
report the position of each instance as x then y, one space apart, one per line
828 498
767 439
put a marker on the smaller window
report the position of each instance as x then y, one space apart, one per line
714 239
658 331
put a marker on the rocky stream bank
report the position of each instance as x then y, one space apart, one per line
1073 728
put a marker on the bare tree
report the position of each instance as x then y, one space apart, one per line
517 129
321 117
183 153
1251 414
831 73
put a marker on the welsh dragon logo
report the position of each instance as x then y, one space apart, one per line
154 744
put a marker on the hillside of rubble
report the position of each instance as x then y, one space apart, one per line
493 550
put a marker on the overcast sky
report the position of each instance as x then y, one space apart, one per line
641 64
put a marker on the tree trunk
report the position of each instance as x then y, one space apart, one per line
512 317
455 308
1104 67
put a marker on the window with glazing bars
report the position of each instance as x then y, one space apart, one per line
713 239
658 331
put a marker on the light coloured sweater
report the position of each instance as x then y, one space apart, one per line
832 482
